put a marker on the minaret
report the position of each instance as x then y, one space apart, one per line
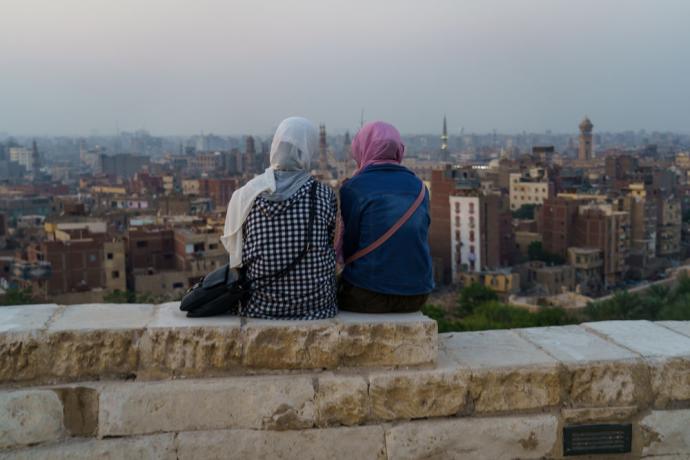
35 159
323 147
249 155
585 149
444 156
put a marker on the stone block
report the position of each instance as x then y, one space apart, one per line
96 340
174 345
267 402
290 344
342 400
22 356
21 318
405 339
361 443
681 327
670 379
419 393
575 344
91 354
492 349
612 383
513 389
90 317
158 447
643 337
666 433
29 417
80 409
496 438
580 416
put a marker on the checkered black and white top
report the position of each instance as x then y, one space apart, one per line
274 235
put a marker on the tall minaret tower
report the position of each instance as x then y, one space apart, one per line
585 149
444 156
323 150
35 159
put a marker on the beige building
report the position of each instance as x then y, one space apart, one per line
587 264
503 282
190 187
531 188
669 222
198 250
114 265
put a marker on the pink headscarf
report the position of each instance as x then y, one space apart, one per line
376 143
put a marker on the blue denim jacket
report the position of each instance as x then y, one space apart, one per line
371 203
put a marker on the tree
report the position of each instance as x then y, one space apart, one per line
535 251
473 296
15 296
526 211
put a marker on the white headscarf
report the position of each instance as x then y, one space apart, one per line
294 143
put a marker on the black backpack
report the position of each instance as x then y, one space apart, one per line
226 289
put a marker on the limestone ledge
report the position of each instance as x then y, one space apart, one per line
51 343
573 370
659 434
496 388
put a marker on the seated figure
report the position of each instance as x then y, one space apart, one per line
266 229
396 276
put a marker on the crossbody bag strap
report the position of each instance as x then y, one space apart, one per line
307 244
391 231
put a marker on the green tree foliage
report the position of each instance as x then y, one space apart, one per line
473 296
535 251
480 309
17 297
657 303
526 211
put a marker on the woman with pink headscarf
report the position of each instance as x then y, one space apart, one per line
384 201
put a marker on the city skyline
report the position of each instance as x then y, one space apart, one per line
174 68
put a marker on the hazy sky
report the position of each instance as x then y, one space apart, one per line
236 66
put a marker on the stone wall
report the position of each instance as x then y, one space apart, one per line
143 381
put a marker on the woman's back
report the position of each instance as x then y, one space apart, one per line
274 234
371 203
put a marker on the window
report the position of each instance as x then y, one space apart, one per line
115 274
471 208
472 236
142 244
178 285
92 257
110 256
457 207
213 246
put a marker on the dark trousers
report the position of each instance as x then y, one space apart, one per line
356 299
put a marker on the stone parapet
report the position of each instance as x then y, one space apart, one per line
51 343
229 388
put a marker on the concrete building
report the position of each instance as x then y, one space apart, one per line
198 251
22 156
207 162
150 248
504 282
218 191
669 222
532 187
601 227
588 264
585 148
481 232
114 265
122 165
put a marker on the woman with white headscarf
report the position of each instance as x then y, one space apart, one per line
266 229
